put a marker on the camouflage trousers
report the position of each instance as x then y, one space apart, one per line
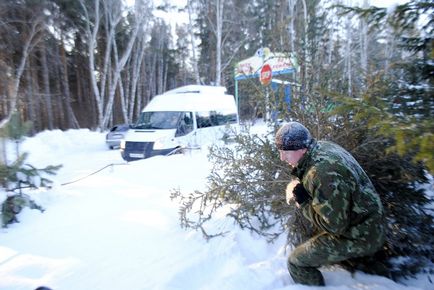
325 249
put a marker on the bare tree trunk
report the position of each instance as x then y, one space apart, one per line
166 68
59 99
291 28
222 34
30 94
111 22
330 46
119 66
91 104
37 26
126 84
92 34
390 48
160 66
124 100
136 71
70 116
112 16
305 52
131 83
219 32
47 90
142 94
38 125
152 76
160 88
128 94
193 46
364 41
348 68
3 151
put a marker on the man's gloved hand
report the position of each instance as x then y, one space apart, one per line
290 189
300 194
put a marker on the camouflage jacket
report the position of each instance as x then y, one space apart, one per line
343 200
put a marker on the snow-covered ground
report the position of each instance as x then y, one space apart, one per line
118 229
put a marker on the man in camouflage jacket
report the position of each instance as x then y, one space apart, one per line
336 195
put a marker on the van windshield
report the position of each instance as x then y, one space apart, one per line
158 120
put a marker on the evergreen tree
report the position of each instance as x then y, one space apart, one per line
19 175
405 99
398 180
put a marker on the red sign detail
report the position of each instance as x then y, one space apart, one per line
265 75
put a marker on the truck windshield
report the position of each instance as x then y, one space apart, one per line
158 120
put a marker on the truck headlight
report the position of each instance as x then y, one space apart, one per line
159 144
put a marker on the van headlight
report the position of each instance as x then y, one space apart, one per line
159 144
122 144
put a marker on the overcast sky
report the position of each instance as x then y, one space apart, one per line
386 3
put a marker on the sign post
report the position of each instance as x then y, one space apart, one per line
265 78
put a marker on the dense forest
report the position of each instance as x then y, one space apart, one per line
94 63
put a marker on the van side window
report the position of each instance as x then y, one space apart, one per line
225 117
215 118
185 124
203 119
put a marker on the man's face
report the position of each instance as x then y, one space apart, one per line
292 156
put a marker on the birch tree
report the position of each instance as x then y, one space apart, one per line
136 70
63 72
192 41
121 60
108 78
219 5
291 26
348 53
364 41
31 36
46 86
294 34
92 29
226 23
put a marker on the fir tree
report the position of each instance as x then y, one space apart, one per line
405 99
19 175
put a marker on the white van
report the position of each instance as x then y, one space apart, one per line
183 118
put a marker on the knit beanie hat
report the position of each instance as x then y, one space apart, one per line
293 136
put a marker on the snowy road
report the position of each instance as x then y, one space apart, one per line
118 229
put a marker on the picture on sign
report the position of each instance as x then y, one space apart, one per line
280 63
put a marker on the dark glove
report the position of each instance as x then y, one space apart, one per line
300 194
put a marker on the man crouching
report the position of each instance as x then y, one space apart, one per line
336 195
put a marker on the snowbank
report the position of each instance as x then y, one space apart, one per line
118 229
